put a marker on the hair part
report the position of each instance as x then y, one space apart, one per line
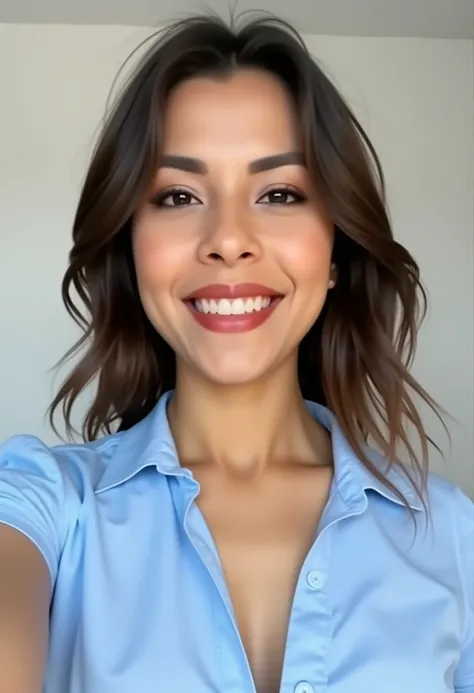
356 357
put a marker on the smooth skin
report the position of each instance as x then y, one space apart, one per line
24 611
238 418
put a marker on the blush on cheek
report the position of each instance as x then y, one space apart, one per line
163 260
308 258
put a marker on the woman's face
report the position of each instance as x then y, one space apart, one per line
231 247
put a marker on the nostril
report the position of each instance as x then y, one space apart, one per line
224 257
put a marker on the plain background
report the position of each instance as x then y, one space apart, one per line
414 96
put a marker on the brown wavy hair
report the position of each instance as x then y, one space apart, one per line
356 357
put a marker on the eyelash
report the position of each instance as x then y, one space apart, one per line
158 200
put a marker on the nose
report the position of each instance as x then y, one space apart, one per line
229 240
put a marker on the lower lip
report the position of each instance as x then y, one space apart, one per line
232 323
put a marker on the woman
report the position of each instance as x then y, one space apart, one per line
242 287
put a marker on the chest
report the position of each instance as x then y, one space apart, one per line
143 600
263 531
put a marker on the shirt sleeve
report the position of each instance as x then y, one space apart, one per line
36 496
464 676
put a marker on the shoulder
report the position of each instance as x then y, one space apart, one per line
444 523
73 465
44 490
453 519
449 506
451 524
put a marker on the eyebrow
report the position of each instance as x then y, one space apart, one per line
267 163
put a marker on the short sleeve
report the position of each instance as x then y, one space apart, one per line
464 677
36 496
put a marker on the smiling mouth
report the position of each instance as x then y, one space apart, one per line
237 308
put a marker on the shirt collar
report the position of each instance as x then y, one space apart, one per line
150 443
352 478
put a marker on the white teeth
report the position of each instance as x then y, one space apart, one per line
237 306
249 304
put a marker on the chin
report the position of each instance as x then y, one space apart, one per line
234 370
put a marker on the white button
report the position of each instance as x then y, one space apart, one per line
304 687
315 580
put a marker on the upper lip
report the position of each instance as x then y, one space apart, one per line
231 291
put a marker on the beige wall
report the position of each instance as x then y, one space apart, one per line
414 95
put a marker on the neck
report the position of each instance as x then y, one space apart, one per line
245 428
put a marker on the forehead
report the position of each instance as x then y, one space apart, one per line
246 106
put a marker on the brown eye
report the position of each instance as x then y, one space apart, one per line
282 196
175 198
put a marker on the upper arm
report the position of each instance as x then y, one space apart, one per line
24 609
464 677
35 502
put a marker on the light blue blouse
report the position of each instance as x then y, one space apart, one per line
139 601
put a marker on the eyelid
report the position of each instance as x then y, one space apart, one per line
162 194
284 187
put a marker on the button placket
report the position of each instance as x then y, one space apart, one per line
305 667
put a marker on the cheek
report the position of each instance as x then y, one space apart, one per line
306 257
158 258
